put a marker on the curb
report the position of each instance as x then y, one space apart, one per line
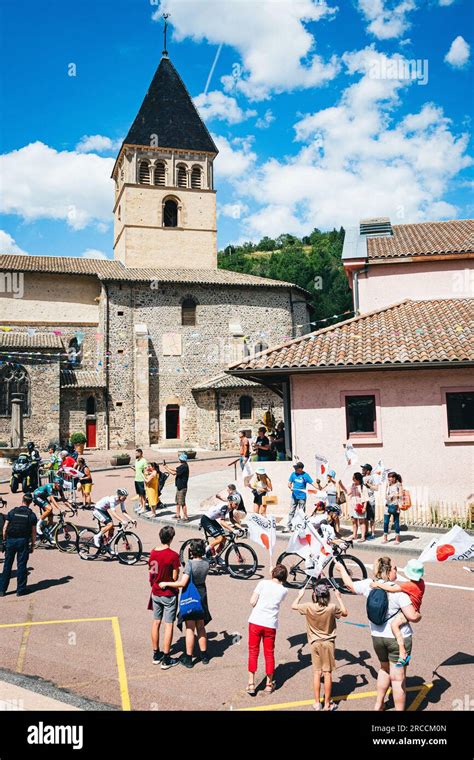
194 520
47 688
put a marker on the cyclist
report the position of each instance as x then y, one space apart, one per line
214 524
46 498
106 509
234 499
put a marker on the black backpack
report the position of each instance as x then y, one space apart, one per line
377 606
163 477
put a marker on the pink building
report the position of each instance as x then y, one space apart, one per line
396 381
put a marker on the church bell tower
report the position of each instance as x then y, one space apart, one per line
165 203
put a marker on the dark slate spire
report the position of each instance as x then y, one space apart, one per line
169 112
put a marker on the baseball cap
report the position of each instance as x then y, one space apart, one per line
414 570
332 473
298 466
367 467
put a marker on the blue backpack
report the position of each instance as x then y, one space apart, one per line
377 607
190 602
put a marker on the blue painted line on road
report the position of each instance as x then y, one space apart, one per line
359 625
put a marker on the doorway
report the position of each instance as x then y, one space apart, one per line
91 434
172 421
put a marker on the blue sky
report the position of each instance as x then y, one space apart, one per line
319 110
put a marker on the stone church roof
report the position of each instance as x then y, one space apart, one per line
23 340
71 378
169 112
110 270
224 381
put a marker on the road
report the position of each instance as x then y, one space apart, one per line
85 628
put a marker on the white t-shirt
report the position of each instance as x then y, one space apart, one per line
110 502
270 596
395 603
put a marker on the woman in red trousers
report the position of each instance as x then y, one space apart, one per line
263 624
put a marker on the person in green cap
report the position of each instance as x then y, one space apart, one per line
414 570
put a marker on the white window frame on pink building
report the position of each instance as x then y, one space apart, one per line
456 436
362 439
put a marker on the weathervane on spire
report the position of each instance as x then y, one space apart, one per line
166 17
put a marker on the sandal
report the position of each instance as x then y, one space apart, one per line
270 688
251 690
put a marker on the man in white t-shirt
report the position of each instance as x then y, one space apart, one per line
383 639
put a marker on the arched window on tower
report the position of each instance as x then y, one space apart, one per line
170 213
14 379
181 176
196 178
91 406
188 312
160 174
144 173
246 407
74 353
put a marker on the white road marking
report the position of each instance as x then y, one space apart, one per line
428 583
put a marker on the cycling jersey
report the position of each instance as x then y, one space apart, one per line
110 502
43 492
217 512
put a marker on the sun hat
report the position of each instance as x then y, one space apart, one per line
332 473
414 570
183 457
261 471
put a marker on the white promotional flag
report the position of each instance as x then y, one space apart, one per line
378 472
262 530
321 465
351 455
456 544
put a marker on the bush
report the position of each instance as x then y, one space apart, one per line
78 438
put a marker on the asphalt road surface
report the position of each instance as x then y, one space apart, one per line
88 632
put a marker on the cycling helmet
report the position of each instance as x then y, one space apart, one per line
58 480
122 492
30 446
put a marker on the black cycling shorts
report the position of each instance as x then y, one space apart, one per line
41 503
212 527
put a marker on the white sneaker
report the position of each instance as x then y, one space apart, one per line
97 540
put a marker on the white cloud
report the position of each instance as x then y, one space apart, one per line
276 48
97 144
217 105
8 245
235 157
387 19
93 253
233 210
264 121
40 182
458 54
445 2
357 160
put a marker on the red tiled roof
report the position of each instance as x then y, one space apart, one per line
424 239
411 332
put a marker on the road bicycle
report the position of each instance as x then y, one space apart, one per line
125 545
61 534
236 558
298 575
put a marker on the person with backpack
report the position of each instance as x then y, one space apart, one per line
381 610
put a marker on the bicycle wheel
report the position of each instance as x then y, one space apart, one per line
66 537
241 561
297 576
127 547
354 567
184 553
86 547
